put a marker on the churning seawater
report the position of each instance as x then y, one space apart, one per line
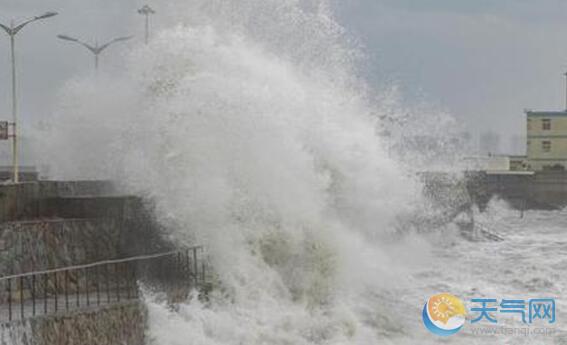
529 263
248 125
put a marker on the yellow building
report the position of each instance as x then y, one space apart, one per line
547 140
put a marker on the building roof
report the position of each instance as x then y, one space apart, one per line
509 172
531 113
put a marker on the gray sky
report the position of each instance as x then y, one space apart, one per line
44 62
483 60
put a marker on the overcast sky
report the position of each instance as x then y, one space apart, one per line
483 60
44 62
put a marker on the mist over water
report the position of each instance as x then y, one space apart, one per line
246 124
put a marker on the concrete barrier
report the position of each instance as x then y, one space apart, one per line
119 324
541 190
23 200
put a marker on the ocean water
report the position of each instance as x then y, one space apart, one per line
528 264
249 125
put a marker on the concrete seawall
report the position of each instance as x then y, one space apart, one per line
50 224
119 324
541 190
27 200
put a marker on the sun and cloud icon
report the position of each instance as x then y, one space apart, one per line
444 314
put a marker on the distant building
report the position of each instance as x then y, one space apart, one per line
547 140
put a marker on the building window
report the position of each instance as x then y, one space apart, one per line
546 146
546 124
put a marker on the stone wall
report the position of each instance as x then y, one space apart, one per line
29 246
50 224
139 231
119 324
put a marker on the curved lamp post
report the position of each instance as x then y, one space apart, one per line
96 49
12 31
147 11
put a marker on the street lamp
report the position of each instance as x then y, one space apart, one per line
147 11
12 31
565 74
96 49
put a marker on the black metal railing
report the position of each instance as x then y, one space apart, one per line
100 283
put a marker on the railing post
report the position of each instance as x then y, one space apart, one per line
56 291
195 266
107 284
203 266
178 269
117 277
45 283
66 288
33 294
127 276
78 289
133 276
188 264
10 299
97 286
22 297
87 286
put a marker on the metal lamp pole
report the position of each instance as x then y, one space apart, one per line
96 49
565 74
147 11
12 31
